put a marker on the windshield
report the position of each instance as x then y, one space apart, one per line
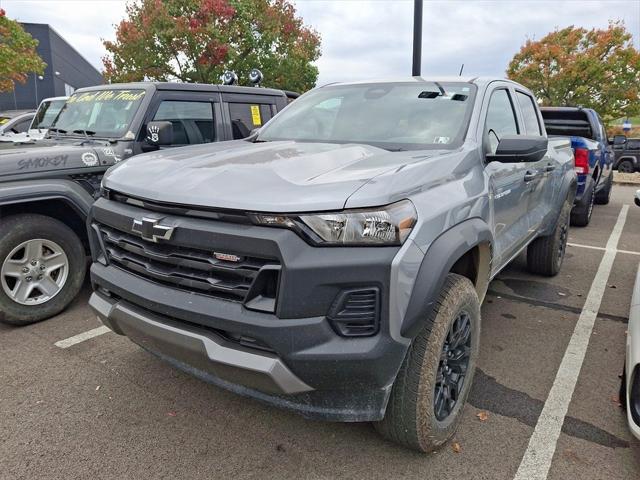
405 116
47 113
103 113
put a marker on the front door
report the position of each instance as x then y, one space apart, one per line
507 183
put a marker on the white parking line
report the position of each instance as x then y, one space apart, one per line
81 337
537 458
593 247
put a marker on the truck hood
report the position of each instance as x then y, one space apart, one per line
30 158
270 177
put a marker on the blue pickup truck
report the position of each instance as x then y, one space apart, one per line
593 156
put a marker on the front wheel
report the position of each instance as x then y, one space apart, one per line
42 267
626 166
432 386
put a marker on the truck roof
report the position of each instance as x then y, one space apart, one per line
477 80
186 87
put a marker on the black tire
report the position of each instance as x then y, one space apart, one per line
581 213
411 418
604 195
546 254
623 389
626 166
21 228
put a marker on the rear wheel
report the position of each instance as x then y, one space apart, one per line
581 212
42 267
546 254
604 195
626 166
434 381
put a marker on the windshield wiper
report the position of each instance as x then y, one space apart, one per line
86 133
57 130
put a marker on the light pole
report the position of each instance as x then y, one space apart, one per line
35 82
417 38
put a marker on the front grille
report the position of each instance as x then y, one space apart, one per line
193 269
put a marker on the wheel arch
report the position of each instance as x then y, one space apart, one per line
64 201
465 249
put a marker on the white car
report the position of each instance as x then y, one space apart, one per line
45 115
15 123
630 391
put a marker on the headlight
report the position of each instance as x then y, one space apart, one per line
389 225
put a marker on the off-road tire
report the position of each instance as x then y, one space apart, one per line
410 418
604 195
20 228
546 254
581 213
626 166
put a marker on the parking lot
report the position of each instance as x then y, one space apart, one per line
104 408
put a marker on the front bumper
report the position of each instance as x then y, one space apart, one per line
299 361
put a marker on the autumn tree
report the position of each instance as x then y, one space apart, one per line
198 40
598 69
18 55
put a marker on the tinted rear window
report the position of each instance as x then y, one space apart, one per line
567 122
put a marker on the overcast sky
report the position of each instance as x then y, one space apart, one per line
372 39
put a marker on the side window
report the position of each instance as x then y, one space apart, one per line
501 120
247 116
192 121
22 126
529 114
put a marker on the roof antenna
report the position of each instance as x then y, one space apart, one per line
461 69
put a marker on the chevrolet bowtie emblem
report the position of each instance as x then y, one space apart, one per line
149 229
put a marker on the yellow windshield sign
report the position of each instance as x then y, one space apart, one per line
107 95
255 115
3 121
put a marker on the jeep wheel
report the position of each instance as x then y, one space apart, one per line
604 195
428 396
42 267
546 254
581 213
626 166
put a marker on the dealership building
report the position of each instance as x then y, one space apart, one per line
66 70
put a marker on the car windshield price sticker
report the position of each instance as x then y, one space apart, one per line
255 115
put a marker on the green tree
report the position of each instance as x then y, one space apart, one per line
598 69
18 55
197 40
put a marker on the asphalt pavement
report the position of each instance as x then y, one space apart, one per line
100 407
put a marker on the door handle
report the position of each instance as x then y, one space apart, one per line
549 168
530 175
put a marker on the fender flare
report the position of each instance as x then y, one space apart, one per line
13 193
633 158
442 254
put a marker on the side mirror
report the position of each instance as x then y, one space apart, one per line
159 133
619 139
520 148
637 199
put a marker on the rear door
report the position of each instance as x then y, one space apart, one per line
542 173
507 184
247 112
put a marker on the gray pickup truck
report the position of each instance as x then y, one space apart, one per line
334 263
48 186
